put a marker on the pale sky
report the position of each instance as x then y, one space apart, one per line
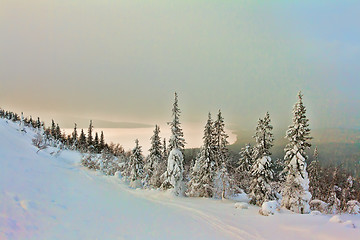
122 60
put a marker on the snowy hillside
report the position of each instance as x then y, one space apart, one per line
46 195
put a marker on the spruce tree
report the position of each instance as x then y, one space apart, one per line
136 166
58 132
261 173
263 137
22 123
89 136
315 176
38 123
53 128
220 141
74 139
82 140
204 170
296 195
223 184
177 140
243 171
155 164
102 141
165 150
96 143
174 174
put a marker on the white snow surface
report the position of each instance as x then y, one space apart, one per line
53 197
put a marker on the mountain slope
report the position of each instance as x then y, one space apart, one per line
49 196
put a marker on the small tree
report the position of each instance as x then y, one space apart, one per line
96 143
74 137
82 140
262 172
89 136
102 141
204 170
315 176
243 171
136 166
154 165
224 185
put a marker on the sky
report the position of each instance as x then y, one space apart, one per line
122 60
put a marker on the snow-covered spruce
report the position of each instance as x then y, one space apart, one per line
135 168
314 172
243 171
295 194
155 163
203 173
174 174
176 140
224 184
262 173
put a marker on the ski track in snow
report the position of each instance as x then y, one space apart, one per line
234 232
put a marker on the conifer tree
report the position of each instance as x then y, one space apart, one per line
96 143
165 150
136 166
177 140
296 195
204 170
174 174
155 164
53 128
89 136
243 171
261 172
31 122
38 123
74 139
263 137
223 184
82 140
22 123
220 141
102 141
57 132
315 176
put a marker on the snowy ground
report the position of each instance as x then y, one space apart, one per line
48 197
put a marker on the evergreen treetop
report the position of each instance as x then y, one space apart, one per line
298 133
263 137
177 140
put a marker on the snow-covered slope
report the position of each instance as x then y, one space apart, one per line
43 196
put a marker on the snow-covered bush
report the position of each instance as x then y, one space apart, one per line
318 205
90 161
108 163
40 142
353 207
269 208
